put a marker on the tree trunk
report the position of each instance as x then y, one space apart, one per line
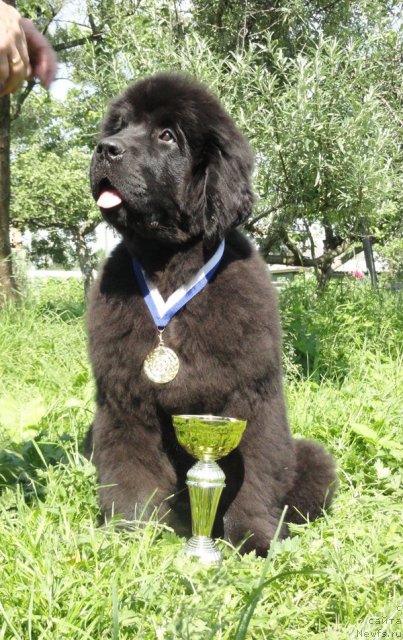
85 259
323 275
369 260
7 290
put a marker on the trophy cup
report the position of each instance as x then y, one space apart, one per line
207 438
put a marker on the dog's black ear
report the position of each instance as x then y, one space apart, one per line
228 196
220 196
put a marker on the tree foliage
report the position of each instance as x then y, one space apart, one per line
51 192
314 85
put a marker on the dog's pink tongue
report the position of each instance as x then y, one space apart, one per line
108 199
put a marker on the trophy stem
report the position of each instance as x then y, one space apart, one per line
205 481
207 438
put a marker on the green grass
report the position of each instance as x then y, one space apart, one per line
61 576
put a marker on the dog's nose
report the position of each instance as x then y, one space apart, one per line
110 149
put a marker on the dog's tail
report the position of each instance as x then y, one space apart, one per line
314 484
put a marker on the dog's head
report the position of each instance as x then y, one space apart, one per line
171 164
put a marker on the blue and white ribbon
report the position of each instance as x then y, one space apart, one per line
162 311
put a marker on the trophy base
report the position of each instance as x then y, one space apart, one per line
203 549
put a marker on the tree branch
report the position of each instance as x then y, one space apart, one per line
295 250
328 6
323 262
89 227
346 256
62 46
311 240
311 244
291 261
42 224
391 110
250 224
21 97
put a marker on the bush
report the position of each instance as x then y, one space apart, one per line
325 331
392 253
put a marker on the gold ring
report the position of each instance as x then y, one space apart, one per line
15 61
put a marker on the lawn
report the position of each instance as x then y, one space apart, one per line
337 578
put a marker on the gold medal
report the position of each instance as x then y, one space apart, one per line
161 364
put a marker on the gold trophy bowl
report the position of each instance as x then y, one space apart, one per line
207 438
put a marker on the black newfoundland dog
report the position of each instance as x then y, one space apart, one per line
172 173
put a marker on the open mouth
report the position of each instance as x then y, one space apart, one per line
108 197
112 204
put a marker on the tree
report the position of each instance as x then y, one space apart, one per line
7 284
314 85
52 192
294 25
10 111
327 156
6 273
322 109
305 82
6 277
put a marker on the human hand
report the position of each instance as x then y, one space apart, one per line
42 57
24 52
14 59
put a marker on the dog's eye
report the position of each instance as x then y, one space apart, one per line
119 124
167 136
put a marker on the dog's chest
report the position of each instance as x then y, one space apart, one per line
200 333
222 338
205 335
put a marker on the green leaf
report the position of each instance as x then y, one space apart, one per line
21 419
369 434
365 431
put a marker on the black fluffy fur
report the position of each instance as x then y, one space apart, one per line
181 196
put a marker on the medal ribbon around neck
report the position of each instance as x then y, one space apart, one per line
162 364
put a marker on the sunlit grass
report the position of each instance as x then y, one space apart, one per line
64 577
